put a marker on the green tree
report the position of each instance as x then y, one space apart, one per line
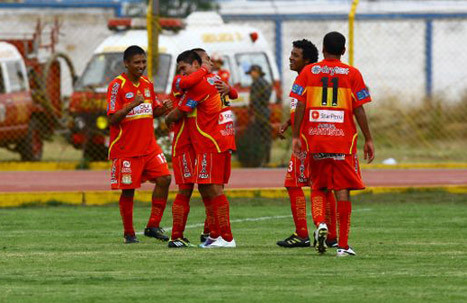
182 8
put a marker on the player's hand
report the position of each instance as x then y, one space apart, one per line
282 129
369 151
138 100
297 147
222 87
168 104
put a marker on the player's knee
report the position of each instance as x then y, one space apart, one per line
163 181
186 190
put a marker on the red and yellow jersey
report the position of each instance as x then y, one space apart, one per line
207 122
134 135
331 91
181 141
293 106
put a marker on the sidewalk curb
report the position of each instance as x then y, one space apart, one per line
73 165
92 198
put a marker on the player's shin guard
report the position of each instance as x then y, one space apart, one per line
157 210
180 210
222 215
344 209
126 211
210 225
318 210
331 215
298 207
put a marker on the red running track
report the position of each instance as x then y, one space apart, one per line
20 181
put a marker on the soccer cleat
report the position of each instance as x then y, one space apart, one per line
203 237
320 235
129 239
180 243
155 232
331 243
342 252
218 243
208 242
294 241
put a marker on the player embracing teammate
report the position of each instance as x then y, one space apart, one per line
329 94
209 124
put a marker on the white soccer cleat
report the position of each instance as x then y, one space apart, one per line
342 252
208 242
320 235
221 243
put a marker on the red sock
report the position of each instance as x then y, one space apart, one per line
331 215
344 209
318 199
210 224
298 206
126 211
180 210
222 216
157 210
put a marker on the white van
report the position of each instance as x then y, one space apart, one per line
239 46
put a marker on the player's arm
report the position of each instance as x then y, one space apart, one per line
174 115
283 128
188 81
225 89
296 143
368 148
167 105
116 111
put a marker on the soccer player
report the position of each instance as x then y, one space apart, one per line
135 155
183 158
211 132
303 53
330 93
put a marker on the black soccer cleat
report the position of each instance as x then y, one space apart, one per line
331 243
129 239
294 241
180 243
156 232
203 237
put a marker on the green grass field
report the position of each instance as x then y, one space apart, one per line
411 247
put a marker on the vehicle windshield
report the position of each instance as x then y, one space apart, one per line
245 60
103 68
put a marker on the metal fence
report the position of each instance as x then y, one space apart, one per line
412 63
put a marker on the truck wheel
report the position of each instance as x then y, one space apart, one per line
95 152
31 147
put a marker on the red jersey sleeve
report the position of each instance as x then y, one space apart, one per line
186 82
299 87
193 97
114 101
360 92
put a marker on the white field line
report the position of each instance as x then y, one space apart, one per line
249 220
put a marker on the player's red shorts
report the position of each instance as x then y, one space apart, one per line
129 173
298 171
213 168
335 171
184 167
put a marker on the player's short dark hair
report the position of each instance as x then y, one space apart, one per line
189 57
334 43
131 51
199 50
309 50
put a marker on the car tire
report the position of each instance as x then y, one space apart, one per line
31 147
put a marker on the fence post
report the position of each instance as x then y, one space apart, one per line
428 58
278 46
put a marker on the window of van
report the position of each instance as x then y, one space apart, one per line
103 68
245 60
16 76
